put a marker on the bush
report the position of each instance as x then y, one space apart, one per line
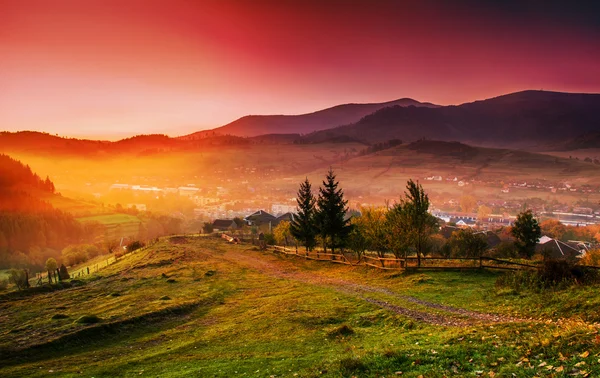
591 257
134 245
63 272
91 251
505 249
19 278
3 285
269 239
51 265
343 330
74 254
207 228
352 366
555 274
88 319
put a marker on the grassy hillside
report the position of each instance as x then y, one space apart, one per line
200 307
115 225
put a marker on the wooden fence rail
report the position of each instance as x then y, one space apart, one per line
408 262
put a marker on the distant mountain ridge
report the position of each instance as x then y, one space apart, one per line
528 119
255 125
534 120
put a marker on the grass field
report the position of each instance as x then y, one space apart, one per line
115 225
201 307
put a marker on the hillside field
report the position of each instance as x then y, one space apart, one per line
196 306
114 225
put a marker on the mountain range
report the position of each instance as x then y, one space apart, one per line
530 120
533 120
255 125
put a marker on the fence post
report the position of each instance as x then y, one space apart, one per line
480 262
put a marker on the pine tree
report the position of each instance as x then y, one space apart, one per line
303 224
331 213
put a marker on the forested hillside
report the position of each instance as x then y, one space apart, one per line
31 230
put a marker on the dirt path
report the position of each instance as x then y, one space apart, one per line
444 315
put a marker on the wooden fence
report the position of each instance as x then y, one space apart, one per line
372 260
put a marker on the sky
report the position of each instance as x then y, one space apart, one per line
109 69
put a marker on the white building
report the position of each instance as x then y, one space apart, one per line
188 191
279 209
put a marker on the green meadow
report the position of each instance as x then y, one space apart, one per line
199 307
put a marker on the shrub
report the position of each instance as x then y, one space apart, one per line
552 274
51 265
91 251
88 319
352 366
19 278
467 243
269 239
3 285
74 254
505 249
207 228
343 330
591 257
134 245
63 272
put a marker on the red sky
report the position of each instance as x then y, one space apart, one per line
105 68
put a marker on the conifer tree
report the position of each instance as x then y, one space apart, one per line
331 213
303 224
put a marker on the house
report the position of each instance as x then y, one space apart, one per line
279 209
466 223
224 225
288 217
260 218
556 249
491 238
119 187
447 231
137 206
188 191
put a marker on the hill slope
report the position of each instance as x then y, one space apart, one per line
199 307
254 125
529 119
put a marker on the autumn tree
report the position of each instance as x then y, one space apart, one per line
357 242
468 203
527 232
483 213
467 243
303 225
553 228
51 265
412 215
282 233
373 224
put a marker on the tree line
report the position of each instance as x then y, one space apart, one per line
405 228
